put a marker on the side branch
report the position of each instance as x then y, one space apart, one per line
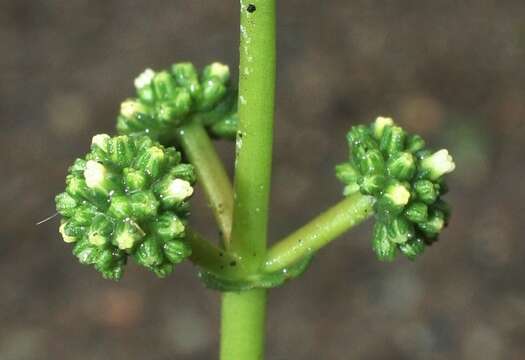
211 174
319 232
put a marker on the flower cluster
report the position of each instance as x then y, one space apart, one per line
127 197
166 99
407 181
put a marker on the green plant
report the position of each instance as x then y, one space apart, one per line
129 196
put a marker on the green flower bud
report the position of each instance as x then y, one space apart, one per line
400 230
212 92
379 126
100 230
401 166
384 249
226 128
134 179
417 212
120 207
438 164
426 191
392 140
163 270
186 76
65 204
143 84
144 205
176 251
149 253
85 252
169 227
372 184
151 161
346 173
415 143
164 85
78 167
359 136
77 188
127 234
411 249
435 223
371 162
121 151
111 206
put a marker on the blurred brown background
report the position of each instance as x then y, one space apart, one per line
451 70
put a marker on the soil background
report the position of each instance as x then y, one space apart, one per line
450 70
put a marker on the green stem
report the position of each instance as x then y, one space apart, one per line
319 232
243 314
208 256
242 331
211 173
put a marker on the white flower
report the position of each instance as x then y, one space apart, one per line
144 79
439 164
101 141
94 174
380 124
130 107
179 189
220 70
67 238
398 194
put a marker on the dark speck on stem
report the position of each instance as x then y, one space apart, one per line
251 8
233 263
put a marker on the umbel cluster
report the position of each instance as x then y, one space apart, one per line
405 178
128 197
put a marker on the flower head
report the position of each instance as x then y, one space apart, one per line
127 198
168 99
407 181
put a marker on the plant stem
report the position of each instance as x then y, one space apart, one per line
208 256
243 314
211 173
242 331
320 231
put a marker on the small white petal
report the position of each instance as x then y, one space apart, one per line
94 173
144 79
67 238
180 189
101 140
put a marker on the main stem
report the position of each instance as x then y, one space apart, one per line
243 313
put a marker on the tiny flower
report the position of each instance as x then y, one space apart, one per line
130 108
144 79
438 164
398 194
218 70
100 141
179 190
67 238
379 125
